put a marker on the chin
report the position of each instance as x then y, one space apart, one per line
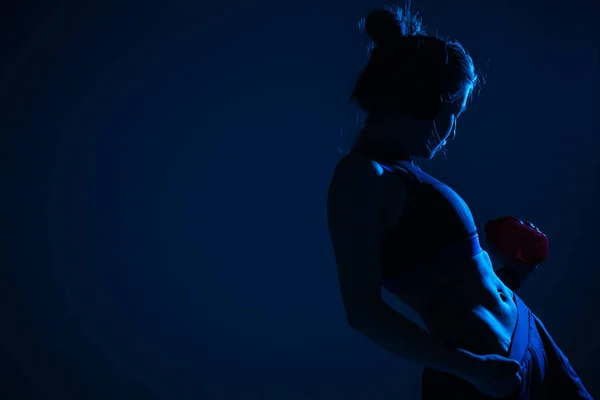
426 154
431 154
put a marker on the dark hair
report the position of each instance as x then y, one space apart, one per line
407 71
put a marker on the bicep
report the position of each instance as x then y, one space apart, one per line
357 216
356 249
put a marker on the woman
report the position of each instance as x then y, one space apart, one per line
394 226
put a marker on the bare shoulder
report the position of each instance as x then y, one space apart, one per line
363 195
358 165
360 177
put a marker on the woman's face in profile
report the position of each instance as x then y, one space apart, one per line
444 126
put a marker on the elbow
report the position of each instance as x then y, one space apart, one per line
355 323
364 322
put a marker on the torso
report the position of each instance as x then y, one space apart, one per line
433 263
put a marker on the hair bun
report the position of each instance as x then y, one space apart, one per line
390 24
381 26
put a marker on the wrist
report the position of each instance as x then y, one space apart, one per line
520 270
466 362
458 362
510 277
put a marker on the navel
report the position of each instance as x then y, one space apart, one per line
503 296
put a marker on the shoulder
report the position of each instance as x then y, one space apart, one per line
357 173
357 166
360 181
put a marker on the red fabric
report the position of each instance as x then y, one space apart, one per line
515 241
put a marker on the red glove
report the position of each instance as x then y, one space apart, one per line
515 242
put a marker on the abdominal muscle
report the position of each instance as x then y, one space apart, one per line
464 305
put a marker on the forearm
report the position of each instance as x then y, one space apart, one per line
399 335
510 278
514 275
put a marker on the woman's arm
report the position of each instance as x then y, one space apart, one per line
359 219
513 275
519 247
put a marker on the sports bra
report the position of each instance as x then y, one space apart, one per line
436 224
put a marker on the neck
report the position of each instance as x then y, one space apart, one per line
383 137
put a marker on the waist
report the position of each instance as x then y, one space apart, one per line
486 328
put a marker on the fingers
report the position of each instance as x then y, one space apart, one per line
520 375
531 225
534 227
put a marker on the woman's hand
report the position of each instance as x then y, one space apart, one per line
513 241
494 375
519 246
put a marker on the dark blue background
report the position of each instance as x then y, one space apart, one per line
164 169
